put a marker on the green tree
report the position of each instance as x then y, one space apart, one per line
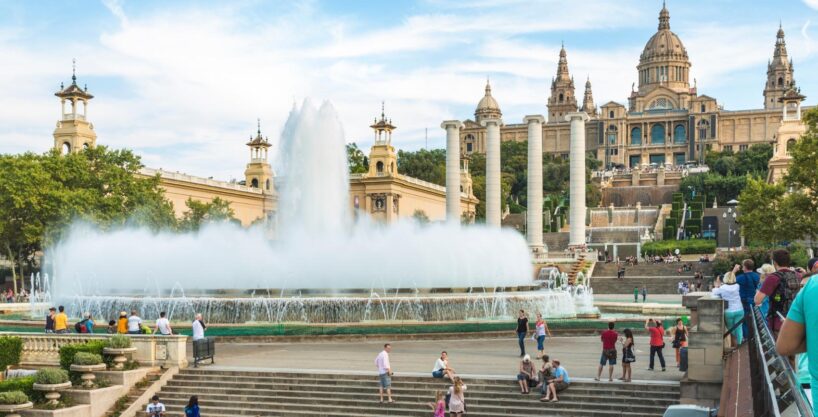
420 216
356 159
199 213
426 165
40 195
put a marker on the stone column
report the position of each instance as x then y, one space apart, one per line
577 181
534 197
452 170
493 192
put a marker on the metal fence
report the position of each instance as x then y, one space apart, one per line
776 391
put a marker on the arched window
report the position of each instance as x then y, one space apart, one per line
267 184
780 81
703 126
703 108
636 136
254 183
657 134
379 167
790 145
611 114
392 168
85 146
65 149
679 134
561 97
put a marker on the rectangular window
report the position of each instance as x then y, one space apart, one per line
469 147
658 159
634 161
728 148
679 158
742 147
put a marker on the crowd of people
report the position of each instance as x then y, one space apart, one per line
57 321
8 296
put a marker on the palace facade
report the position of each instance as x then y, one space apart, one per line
665 121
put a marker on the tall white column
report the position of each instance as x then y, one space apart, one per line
577 179
493 193
452 169
534 197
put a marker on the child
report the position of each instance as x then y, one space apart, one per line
111 327
439 406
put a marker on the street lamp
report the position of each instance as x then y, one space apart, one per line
730 217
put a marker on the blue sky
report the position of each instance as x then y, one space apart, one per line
183 82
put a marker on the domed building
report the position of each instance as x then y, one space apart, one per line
664 124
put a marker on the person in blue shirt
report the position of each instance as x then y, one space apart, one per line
747 281
800 335
558 384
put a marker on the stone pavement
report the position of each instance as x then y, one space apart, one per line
579 355
652 298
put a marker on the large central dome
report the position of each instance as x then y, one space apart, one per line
664 60
664 44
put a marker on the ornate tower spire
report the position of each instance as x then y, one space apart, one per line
779 73
258 173
74 132
664 18
588 99
562 100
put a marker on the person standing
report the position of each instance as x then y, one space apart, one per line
192 408
522 331
781 287
734 312
627 355
747 281
679 334
439 406
457 398
541 328
635 294
644 293
609 338
384 372
657 342
49 320
134 323
61 321
800 330
163 325
198 327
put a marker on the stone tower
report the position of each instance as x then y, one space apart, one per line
789 132
74 132
562 100
588 99
258 173
383 162
487 108
779 74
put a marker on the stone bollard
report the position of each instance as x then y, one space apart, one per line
702 383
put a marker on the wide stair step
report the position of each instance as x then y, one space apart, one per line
279 393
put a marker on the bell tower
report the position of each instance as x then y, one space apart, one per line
789 131
74 132
259 174
383 162
779 74
562 100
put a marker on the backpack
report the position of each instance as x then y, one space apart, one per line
80 326
789 283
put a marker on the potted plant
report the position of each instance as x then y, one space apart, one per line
118 347
13 401
87 363
51 381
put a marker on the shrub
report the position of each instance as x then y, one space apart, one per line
24 384
67 352
119 341
13 397
11 347
692 246
51 376
87 358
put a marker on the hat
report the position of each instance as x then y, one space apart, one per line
123 314
811 263
527 358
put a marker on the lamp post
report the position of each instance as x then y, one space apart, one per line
730 217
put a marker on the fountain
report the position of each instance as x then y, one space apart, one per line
323 267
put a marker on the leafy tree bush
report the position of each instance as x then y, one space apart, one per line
356 159
13 397
11 348
686 247
24 384
725 261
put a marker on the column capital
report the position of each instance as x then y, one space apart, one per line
491 120
451 123
581 115
534 118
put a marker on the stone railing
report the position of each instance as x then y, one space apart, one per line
151 350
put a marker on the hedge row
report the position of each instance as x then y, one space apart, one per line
11 348
686 247
67 352
24 384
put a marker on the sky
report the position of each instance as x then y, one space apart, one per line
182 83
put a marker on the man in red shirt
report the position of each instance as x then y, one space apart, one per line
776 287
609 338
657 341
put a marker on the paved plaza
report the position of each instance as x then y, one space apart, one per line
497 357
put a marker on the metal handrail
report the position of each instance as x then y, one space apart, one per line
783 394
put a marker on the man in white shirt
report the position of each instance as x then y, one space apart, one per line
163 325
442 368
134 323
198 328
384 372
155 408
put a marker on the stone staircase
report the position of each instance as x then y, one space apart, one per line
604 270
576 268
136 391
286 393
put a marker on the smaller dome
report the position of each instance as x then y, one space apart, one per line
488 106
